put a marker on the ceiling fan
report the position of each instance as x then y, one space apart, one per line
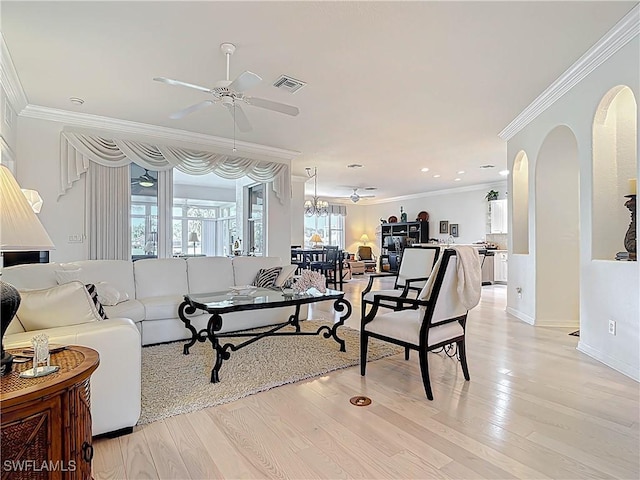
230 94
145 180
355 196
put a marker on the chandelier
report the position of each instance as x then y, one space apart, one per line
316 206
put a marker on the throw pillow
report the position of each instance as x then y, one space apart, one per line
68 304
93 293
285 274
110 295
66 276
266 277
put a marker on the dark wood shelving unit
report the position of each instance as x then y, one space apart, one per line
408 232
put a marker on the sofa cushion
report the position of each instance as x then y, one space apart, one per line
65 276
209 274
118 273
162 307
245 269
68 304
14 327
33 276
132 309
157 277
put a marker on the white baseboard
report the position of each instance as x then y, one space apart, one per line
617 365
521 316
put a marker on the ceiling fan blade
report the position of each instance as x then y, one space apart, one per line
170 81
191 109
271 105
240 118
245 81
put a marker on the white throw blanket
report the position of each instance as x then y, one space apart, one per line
469 276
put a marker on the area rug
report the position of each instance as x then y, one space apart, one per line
173 383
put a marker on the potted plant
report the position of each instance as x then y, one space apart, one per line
491 195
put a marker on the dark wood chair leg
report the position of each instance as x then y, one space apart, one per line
364 343
406 353
463 359
424 369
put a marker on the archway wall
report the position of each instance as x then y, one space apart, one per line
557 230
608 289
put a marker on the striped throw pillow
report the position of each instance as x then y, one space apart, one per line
266 277
93 293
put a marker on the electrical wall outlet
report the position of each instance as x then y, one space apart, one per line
519 291
75 238
612 327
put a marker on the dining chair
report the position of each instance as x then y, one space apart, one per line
435 319
328 265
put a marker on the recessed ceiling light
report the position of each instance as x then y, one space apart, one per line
460 172
436 176
488 165
457 179
504 173
425 169
76 100
354 165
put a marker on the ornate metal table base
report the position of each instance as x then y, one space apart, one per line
223 352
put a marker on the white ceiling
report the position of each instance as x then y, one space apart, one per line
395 86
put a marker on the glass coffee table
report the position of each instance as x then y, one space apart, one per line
219 303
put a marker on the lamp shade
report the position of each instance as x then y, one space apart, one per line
20 229
193 237
316 238
364 238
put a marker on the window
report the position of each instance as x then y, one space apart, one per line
255 245
330 228
144 213
213 222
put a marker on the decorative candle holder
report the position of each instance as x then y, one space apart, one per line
41 358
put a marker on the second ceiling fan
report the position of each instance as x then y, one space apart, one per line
230 94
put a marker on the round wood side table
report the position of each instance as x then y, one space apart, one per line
46 421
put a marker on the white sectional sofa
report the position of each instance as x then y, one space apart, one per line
155 288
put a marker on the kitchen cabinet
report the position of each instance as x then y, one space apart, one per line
499 216
500 267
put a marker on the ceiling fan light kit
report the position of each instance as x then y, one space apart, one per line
230 94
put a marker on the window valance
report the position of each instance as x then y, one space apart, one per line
78 149
337 209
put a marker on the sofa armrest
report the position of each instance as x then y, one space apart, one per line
116 384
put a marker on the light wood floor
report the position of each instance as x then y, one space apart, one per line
535 408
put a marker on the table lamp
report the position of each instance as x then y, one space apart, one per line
193 237
364 238
20 231
315 238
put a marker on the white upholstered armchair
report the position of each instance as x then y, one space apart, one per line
435 319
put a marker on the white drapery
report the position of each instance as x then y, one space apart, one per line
78 149
109 204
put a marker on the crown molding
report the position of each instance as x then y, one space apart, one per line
10 80
616 38
84 120
469 188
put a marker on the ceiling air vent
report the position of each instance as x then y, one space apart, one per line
289 84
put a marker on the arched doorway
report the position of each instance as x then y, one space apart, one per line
557 247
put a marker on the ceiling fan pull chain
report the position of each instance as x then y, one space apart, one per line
234 121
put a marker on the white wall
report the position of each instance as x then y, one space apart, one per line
608 289
297 210
8 131
465 206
